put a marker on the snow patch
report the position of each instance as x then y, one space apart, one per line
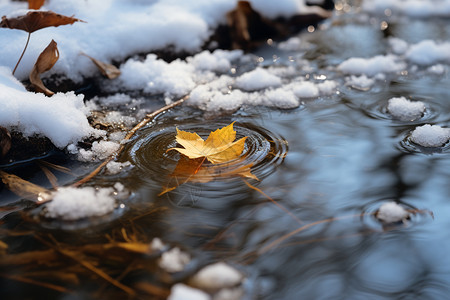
391 212
62 118
181 291
404 109
114 167
429 52
70 203
174 260
257 79
372 66
430 135
217 276
360 82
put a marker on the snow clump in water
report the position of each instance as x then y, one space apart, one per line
430 135
70 203
404 109
391 212
217 276
181 291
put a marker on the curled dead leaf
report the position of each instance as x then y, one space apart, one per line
108 70
45 62
35 4
25 189
5 141
35 20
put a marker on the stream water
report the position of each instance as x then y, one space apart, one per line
336 158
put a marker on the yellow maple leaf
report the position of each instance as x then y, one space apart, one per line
219 147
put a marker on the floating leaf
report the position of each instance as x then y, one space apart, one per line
5 141
45 62
219 147
35 4
108 70
24 188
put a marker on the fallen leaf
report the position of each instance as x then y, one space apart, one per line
35 20
35 4
5 141
45 62
219 147
24 189
108 70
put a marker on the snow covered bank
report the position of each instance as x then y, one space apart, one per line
116 29
62 118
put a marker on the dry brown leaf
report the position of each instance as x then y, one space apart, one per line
35 20
5 141
35 4
108 70
24 188
45 62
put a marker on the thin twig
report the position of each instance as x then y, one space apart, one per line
36 282
273 201
23 52
130 134
288 235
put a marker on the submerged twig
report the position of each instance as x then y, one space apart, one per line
130 134
273 201
36 282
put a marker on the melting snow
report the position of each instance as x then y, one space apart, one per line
372 66
181 291
257 79
404 109
174 260
391 212
430 135
217 276
70 203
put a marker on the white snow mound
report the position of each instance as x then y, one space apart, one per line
217 276
70 203
404 109
391 212
430 135
181 291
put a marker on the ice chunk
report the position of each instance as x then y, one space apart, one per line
70 203
430 135
404 109
391 212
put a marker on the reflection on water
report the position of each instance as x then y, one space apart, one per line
336 158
